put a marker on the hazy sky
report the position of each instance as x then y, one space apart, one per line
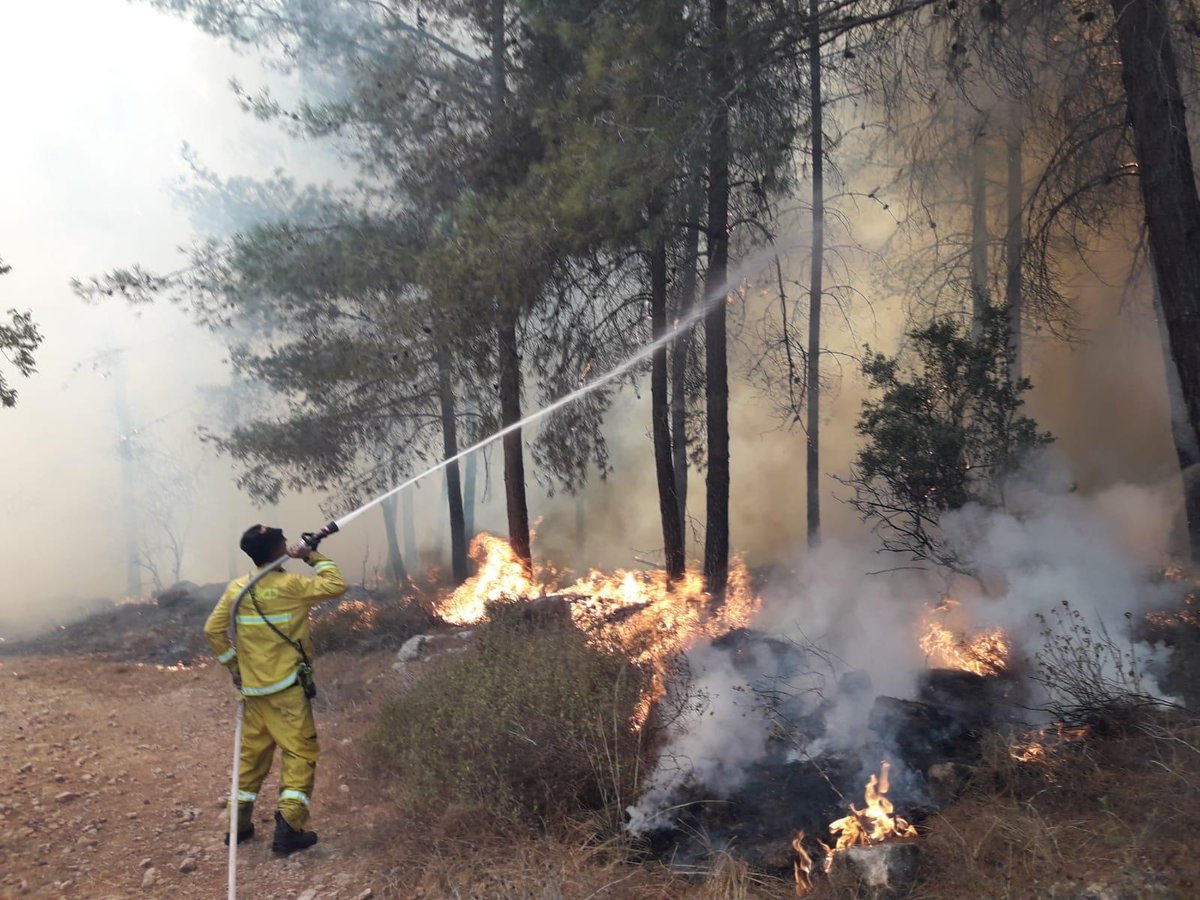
97 99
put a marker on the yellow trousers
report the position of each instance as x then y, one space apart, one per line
284 719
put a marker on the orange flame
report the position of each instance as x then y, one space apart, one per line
1041 744
984 653
634 611
500 575
873 824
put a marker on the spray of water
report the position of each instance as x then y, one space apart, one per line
748 267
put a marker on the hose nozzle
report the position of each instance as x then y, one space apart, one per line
312 539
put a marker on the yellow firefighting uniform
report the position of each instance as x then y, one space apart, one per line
276 710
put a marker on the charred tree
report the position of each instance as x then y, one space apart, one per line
813 424
1168 185
668 502
716 368
396 567
454 498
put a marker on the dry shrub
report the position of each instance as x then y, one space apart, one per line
732 878
530 722
368 624
1091 679
1097 809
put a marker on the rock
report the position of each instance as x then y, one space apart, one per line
365 895
310 894
149 879
344 788
25 769
411 649
882 871
146 863
188 865
66 797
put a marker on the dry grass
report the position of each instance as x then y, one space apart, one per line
1119 810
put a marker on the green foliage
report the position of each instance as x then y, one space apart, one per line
18 339
940 436
530 721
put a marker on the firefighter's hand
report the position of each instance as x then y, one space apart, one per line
237 678
299 551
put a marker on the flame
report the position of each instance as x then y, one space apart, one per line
802 866
984 653
873 824
500 575
1041 744
636 612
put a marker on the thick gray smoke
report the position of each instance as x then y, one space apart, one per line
1102 554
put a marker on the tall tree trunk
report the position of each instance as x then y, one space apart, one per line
408 508
716 374
129 511
395 560
681 349
979 228
506 342
1168 183
514 455
454 500
469 478
580 524
668 502
1014 241
815 288
1187 451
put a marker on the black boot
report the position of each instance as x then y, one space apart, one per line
288 839
244 834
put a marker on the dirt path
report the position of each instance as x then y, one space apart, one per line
109 770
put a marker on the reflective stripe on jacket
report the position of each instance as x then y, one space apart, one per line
267 662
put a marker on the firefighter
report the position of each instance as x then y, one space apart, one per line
271 666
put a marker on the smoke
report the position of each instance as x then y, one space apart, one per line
721 730
1101 553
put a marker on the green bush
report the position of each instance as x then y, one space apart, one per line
530 721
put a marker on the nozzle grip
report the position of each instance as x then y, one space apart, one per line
312 539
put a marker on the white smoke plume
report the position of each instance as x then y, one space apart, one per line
1103 554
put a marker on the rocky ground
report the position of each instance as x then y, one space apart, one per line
113 777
